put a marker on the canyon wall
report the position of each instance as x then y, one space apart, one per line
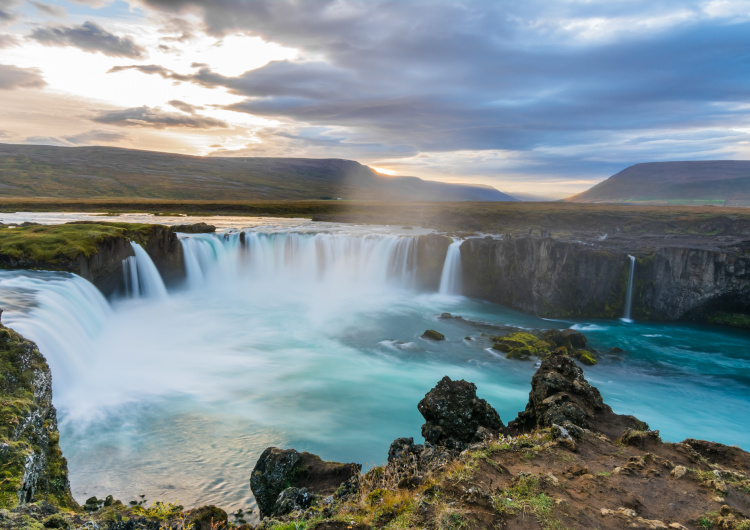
553 278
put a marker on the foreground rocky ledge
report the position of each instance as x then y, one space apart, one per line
567 461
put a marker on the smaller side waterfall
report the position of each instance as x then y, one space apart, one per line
142 278
450 279
629 293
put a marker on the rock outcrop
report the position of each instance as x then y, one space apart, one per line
284 480
97 251
455 416
561 396
195 228
33 468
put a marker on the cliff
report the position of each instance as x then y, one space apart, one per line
94 251
557 278
31 461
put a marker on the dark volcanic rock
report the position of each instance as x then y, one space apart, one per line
195 228
455 415
279 469
560 395
404 449
433 335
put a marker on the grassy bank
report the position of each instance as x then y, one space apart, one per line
53 244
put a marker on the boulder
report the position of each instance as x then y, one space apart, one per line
280 469
454 414
206 518
560 395
433 335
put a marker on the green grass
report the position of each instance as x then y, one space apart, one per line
52 244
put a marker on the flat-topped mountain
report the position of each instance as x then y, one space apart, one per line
107 172
721 182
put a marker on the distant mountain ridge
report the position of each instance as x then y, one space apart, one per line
719 182
109 172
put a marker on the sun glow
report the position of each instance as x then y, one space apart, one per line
383 171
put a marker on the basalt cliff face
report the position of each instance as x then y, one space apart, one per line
556 278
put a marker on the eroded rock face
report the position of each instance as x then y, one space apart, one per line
560 395
455 415
32 462
278 470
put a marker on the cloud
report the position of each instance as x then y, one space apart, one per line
148 117
46 140
442 76
12 77
89 37
97 136
6 41
185 107
49 9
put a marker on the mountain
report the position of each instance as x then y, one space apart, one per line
719 182
108 172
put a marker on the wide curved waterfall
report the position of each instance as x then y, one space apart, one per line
312 340
328 259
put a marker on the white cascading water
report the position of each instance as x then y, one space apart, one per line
450 279
336 261
629 293
141 277
62 312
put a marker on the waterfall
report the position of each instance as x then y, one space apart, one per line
629 293
321 258
61 312
450 279
141 277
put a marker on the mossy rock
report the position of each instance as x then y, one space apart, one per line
523 353
431 334
586 357
522 345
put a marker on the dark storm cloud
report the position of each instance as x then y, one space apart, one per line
12 77
89 37
148 117
445 76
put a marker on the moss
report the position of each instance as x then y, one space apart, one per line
735 320
55 244
586 358
522 345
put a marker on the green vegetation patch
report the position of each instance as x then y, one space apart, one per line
53 244
735 320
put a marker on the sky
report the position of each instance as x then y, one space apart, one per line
541 97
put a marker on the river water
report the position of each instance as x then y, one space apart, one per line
310 337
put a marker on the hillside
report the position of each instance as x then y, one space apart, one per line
720 182
105 172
